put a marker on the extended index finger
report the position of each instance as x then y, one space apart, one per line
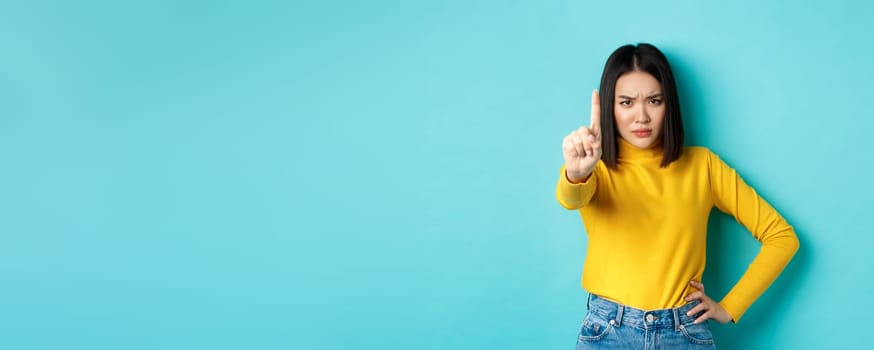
596 113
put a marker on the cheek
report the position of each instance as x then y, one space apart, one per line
658 116
623 118
660 119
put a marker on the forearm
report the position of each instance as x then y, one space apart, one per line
773 257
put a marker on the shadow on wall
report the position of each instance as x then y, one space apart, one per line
730 250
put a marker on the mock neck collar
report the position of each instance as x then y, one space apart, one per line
631 152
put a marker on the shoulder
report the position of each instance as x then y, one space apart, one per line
698 153
703 157
700 157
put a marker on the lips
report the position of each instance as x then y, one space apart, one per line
642 132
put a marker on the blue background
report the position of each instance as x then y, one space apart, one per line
380 174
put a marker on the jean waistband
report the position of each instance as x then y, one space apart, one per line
646 319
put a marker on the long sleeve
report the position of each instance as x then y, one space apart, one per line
575 196
733 196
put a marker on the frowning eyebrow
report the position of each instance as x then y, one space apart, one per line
626 97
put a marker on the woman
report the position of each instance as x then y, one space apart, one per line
645 200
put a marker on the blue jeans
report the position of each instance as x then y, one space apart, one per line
609 325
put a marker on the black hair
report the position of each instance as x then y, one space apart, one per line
644 58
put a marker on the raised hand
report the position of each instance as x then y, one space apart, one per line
582 147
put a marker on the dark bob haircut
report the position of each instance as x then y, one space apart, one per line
644 58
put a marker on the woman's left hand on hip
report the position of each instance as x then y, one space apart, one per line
710 308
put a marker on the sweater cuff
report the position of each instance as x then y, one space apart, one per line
734 310
571 195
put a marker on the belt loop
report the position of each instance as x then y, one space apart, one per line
676 319
619 315
589 301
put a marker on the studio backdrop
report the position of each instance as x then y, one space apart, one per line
381 174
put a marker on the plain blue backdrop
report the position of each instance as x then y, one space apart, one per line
381 174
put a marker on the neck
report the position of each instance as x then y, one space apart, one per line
630 151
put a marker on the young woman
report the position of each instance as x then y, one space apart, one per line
645 200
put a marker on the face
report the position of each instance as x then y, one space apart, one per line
639 109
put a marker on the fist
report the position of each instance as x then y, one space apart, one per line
582 147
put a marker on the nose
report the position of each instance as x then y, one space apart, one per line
642 115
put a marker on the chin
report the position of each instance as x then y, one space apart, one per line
649 143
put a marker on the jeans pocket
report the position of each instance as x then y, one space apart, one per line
594 328
697 333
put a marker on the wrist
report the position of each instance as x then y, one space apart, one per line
576 178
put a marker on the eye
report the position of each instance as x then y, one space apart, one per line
656 101
625 102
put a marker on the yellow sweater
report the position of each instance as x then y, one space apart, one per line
647 227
